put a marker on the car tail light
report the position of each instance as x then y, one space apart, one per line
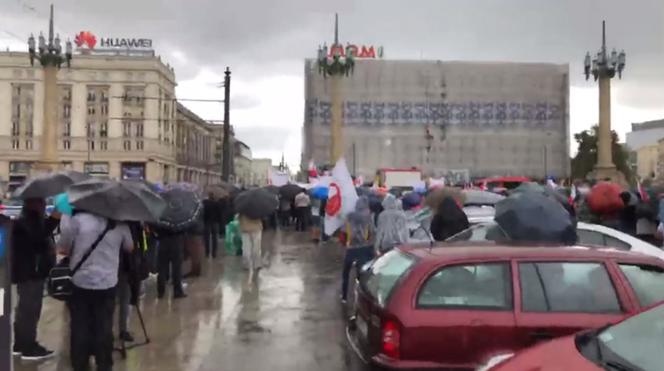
390 339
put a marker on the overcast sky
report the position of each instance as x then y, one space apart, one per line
265 41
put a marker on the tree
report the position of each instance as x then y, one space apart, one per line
586 157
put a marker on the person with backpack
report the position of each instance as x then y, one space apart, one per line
93 244
358 236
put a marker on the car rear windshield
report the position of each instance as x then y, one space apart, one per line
384 273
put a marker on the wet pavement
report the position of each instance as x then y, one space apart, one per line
289 318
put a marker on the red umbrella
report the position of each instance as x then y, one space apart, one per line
605 198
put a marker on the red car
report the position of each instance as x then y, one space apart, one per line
633 344
458 306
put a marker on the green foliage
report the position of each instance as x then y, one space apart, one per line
586 158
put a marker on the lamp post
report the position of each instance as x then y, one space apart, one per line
335 64
51 58
603 67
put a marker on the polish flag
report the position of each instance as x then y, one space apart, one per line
341 198
572 195
642 192
313 172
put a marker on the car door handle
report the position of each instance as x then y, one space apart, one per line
541 335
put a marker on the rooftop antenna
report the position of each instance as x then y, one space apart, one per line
336 29
50 29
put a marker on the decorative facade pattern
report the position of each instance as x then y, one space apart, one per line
469 114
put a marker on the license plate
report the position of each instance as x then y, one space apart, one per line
362 327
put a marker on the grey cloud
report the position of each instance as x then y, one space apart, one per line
263 139
261 38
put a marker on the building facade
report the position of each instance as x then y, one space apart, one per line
445 117
243 174
261 169
644 141
117 117
197 158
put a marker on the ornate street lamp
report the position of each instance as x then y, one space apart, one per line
51 57
50 54
603 67
336 63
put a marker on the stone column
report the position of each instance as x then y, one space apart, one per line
48 159
337 145
604 142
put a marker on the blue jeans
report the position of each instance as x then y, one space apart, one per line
359 256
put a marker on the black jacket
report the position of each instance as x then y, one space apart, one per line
33 253
448 221
211 211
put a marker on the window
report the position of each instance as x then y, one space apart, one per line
588 237
616 243
647 282
139 130
103 131
567 287
139 145
92 145
382 276
15 128
103 145
126 128
28 144
480 232
479 286
15 144
126 145
66 144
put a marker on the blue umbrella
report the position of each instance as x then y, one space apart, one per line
61 203
320 192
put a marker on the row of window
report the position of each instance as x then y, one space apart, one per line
103 145
16 144
545 287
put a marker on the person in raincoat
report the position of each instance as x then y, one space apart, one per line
359 232
449 220
392 227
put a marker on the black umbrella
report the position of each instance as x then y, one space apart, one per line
122 201
48 185
534 217
272 189
290 190
183 208
256 203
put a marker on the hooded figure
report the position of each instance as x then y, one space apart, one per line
360 229
392 226
360 233
449 220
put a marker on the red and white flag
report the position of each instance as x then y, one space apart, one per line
572 195
341 198
313 172
642 192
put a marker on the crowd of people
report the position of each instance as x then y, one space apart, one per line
110 261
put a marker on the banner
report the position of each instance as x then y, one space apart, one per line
342 197
278 178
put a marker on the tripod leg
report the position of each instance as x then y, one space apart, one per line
140 318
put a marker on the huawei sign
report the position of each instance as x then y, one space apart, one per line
85 38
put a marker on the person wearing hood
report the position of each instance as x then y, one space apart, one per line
392 226
449 220
359 234
32 257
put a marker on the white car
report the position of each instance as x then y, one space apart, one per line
599 235
588 234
